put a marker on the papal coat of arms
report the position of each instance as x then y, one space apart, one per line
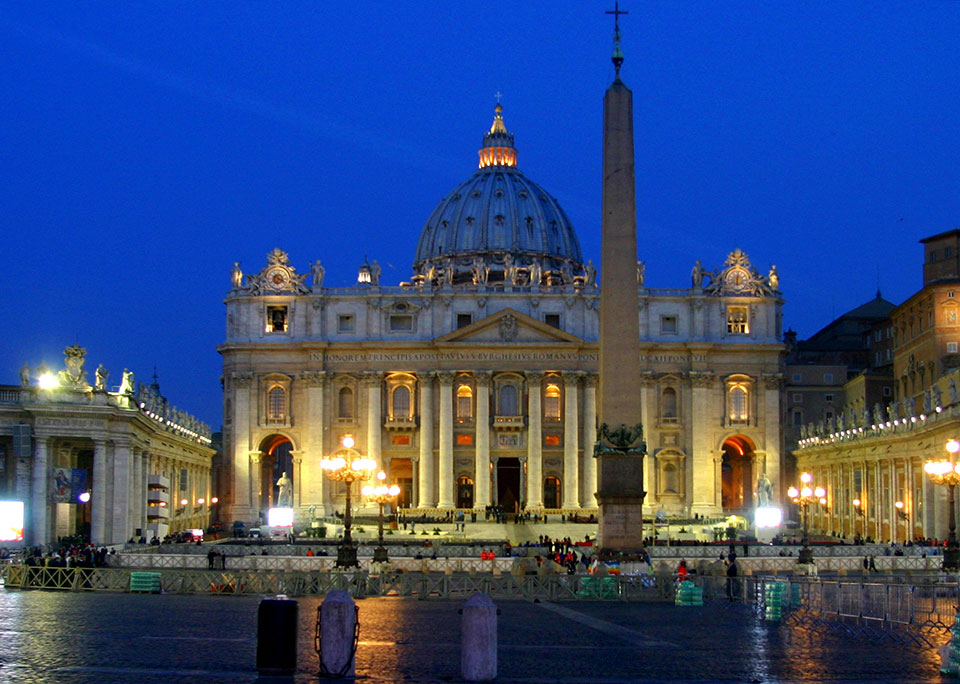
509 328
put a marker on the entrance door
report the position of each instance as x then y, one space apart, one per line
464 492
551 492
737 475
508 484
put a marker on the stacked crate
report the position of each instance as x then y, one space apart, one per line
148 582
689 594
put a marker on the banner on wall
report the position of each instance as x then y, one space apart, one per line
68 484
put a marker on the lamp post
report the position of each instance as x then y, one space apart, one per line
804 496
348 468
947 472
382 494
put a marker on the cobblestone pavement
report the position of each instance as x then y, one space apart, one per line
65 638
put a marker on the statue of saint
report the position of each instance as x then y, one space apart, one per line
773 279
236 276
536 274
590 271
696 275
764 490
317 269
25 375
126 383
101 376
284 493
509 270
641 272
375 271
567 272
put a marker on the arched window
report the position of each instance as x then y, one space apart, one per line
669 412
401 402
738 404
464 403
551 403
508 401
276 405
551 492
345 403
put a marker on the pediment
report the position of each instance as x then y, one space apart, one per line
509 326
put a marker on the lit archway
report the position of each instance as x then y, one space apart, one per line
275 459
737 474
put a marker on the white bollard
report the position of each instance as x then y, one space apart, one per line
338 619
478 639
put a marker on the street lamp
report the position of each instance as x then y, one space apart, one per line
948 472
382 494
348 468
804 496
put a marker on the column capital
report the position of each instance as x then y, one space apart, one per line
242 379
313 378
483 377
571 377
371 378
534 377
591 380
446 377
255 457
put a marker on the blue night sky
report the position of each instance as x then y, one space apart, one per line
145 147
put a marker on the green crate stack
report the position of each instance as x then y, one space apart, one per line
954 665
689 594
145 581
773 600
608 587
587 586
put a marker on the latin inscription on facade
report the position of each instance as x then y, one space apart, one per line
439 357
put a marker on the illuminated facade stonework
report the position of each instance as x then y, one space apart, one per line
101 462
475 382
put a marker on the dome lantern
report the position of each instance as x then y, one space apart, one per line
498 149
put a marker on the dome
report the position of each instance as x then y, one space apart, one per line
498 226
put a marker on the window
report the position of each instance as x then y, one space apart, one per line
551 403
463 320
738 318
401 402
737 399
828 415
887 391
828 397
552 440
401 323
933 256
668 325
828 377
552 319
345 403
276 319
345 323
950 295
951 347
276 405
797 418
464 403
671 479
669 412
508 401
400 440
464 440
797 377
798 397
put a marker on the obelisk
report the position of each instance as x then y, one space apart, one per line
619 447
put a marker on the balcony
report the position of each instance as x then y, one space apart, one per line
507 423
400 423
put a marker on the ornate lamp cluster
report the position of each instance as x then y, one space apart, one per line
381 494
947 472
804 496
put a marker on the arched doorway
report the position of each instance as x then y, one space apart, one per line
464 492
508 484
275 459
737 474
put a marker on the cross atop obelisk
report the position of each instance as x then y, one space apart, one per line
617 53
619 448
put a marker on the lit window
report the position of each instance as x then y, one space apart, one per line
551 403
276 319
508 401
276 404
668 325
345 403
670 405
464 403
737 398
951 347
401 402
552 440
345 323
828 377
738 320
797 377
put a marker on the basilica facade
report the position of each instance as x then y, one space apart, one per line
474 383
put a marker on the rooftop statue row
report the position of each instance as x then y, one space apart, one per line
72 382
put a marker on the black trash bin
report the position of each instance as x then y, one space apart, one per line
277 622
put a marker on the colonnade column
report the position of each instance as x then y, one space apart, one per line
534 441
122 460
481 495
374 417
425 468
256 484
98 497
296 461
589 437
445 484
38 492
571 446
